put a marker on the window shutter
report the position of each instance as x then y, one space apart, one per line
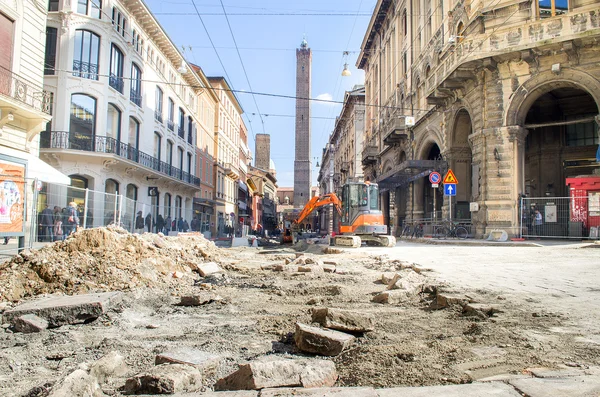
6 42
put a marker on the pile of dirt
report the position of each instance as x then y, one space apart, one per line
103 259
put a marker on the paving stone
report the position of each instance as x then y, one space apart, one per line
206 362
199 299
285 268
391 297
206 269
29 323
444 299
319 341
408 281
64 310
467 390
327 268
165 379
343 320
259 375
111 364
321 392
318 373
580 386
310 268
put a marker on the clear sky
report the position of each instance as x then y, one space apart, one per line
267 33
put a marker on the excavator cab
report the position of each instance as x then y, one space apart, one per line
360 209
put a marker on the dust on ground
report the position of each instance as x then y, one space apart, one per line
413 344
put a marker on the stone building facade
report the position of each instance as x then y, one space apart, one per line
504 93
302 163
263 151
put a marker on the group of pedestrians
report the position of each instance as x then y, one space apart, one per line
59 223
165 225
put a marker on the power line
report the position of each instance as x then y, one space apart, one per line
244 69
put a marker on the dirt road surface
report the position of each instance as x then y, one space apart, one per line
543 300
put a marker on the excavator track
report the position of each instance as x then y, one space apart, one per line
347 241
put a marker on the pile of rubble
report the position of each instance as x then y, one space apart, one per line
103 259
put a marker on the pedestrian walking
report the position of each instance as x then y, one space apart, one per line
160 223
139 223
72 217
47 224
537 222
168 225
148 222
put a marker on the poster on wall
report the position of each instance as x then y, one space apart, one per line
550 212
12 197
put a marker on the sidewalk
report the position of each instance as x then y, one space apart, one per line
509 243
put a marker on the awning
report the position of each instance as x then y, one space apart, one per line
37 168
408 171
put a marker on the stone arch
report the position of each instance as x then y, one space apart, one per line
424 144
528 92
386 166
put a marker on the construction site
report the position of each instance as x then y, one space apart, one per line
110 313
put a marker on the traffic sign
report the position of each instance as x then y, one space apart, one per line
435 177
450 177
450 189
435 185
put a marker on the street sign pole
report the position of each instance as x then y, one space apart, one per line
450 207
434 207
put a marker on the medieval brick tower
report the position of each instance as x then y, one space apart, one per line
302 163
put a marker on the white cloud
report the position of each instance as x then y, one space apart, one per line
325 97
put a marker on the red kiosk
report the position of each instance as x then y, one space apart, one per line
585 202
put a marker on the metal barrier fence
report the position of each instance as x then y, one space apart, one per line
560 217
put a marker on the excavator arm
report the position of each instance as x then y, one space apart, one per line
316 202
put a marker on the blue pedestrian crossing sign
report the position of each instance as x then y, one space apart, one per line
450 189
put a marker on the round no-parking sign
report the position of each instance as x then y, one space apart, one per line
435 178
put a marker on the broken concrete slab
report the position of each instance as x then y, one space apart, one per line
343 320
319 341
63 310
327 268
444 299
29 323
165 379
580 386
318 373
543 372
206 269
466 390
391 297
406 280
111 364
387 277
311 268
259 375
206 362
77 383
285 268
478 309
321 392
199 299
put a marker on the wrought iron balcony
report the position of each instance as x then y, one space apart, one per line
85 70
17 88
116 82
135 97
181 131
345 166
171 125
102 144
158 116
369 155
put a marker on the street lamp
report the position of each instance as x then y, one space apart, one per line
346 72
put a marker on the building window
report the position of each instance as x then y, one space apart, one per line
180 153
136 85
132 192
157 143
158 109
582 134
189 163
190 131
115 79
178 202
113 122
119 21
50 56
551 8
134 133
170 153
86 54
168 207
170 122
82 122
93 8
52 5
181 128
137 41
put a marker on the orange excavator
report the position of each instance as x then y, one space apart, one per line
361 217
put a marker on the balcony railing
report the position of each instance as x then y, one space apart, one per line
18 88
135 97
116 82
158 116
181 131
85 70
369 154
171 125
231 170
104 144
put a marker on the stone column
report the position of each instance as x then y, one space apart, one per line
503 177
392 204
